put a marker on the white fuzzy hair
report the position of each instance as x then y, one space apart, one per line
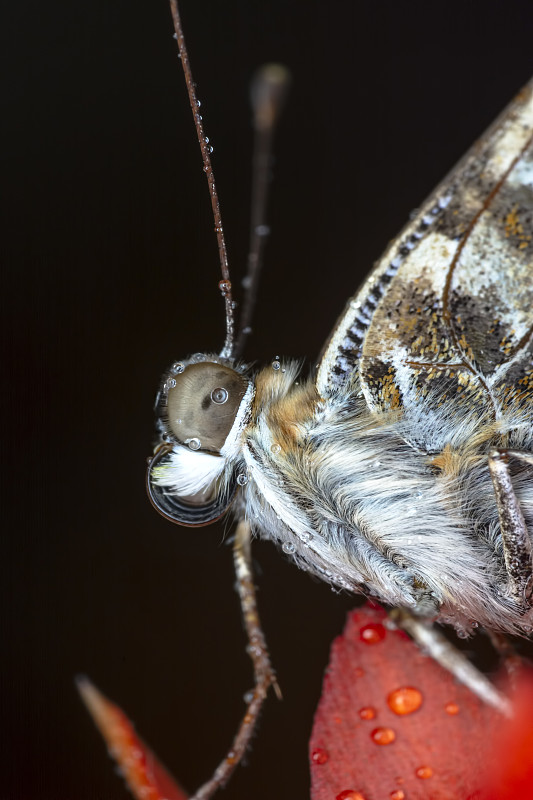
190 472
357 502
187 473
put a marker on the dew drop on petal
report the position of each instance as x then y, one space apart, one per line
305 536
350 794
194 444
171 383
397 794
242 479
404 700
276 365
177 368
372 633
275 448
367 712
424 772
288 547
451 708
319 756
383 735
224 286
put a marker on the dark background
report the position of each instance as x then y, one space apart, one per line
111 273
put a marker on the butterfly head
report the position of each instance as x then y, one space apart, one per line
202 407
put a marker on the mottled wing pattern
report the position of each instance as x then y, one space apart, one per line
447 312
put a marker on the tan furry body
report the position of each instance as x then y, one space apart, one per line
343 489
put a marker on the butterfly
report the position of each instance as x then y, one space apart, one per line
402 467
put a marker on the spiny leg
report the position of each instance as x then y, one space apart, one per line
517 549
263 673
430 640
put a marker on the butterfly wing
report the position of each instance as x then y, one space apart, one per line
447 312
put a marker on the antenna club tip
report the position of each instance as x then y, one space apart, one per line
269 89
275 74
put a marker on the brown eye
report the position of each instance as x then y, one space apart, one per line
219 396
202 403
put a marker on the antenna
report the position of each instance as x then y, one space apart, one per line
225 284
268 91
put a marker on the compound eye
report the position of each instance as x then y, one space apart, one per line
203 404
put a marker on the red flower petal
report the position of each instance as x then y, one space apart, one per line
510 767
394 724
146 778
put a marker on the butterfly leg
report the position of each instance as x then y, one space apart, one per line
257 649
441 650
517 547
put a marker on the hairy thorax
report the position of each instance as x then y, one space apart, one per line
398 505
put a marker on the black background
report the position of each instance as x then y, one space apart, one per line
111 273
